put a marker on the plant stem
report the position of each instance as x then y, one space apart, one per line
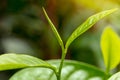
107 72
108 68
64 51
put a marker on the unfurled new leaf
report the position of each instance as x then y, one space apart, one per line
15 61
88 24
54 29
110 45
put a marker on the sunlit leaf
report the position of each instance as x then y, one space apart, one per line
115 76
54 29
72 70
110 45
88 24
15 61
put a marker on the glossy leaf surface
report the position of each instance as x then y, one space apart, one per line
110 45
87 24
115 76
72 70
15 61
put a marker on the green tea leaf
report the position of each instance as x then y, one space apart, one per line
15 61
110 45
88 24
54 29
72 70
115 76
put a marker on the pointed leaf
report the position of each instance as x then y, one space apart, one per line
72 70
115 76
88 24
54 29
110 45
15 61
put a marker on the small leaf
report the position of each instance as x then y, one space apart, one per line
15 61
72 70
115 76
54 29
88 24
110 45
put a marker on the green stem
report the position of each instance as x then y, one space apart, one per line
107 71
64 51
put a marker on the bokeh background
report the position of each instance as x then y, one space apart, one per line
24 29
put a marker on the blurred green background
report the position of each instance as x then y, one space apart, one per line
24 29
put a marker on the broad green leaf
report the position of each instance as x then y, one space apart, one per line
54 29
72 70
15 61
115 76
87 24
110 45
